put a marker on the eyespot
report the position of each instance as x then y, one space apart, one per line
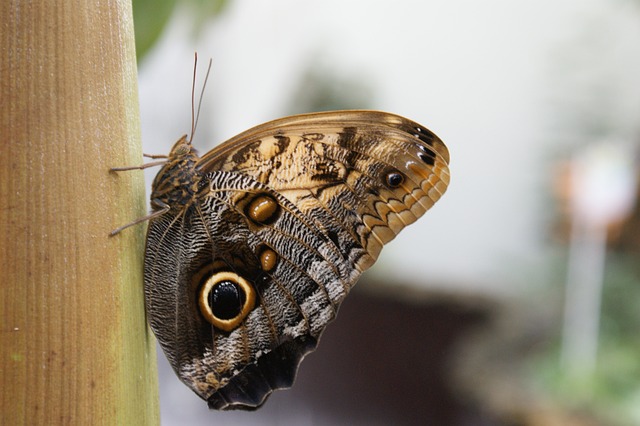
268 258
394 179
263 209
225 299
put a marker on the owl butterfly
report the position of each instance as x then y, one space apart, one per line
252 247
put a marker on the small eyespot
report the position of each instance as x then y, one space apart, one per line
263 209
394 179
268 258
225 299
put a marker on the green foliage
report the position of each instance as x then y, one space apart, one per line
149 20
612 392
150 17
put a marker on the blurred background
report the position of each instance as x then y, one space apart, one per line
516 300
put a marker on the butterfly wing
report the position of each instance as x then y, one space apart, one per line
287 216
335 166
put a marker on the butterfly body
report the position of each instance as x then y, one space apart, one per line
256 243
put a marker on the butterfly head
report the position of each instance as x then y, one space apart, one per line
182 149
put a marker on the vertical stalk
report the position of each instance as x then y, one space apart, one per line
74 345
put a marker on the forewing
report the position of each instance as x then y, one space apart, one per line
336 167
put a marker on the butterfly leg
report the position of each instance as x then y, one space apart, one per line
163 209
142 167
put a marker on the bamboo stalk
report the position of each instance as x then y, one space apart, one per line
74 345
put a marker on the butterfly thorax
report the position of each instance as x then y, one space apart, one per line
177 182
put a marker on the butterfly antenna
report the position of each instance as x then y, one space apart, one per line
194 122
193 90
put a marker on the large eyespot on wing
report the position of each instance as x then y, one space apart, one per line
371 172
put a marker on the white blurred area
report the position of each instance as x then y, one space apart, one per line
490 78
512 88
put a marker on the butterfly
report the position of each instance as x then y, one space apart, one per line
252 247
